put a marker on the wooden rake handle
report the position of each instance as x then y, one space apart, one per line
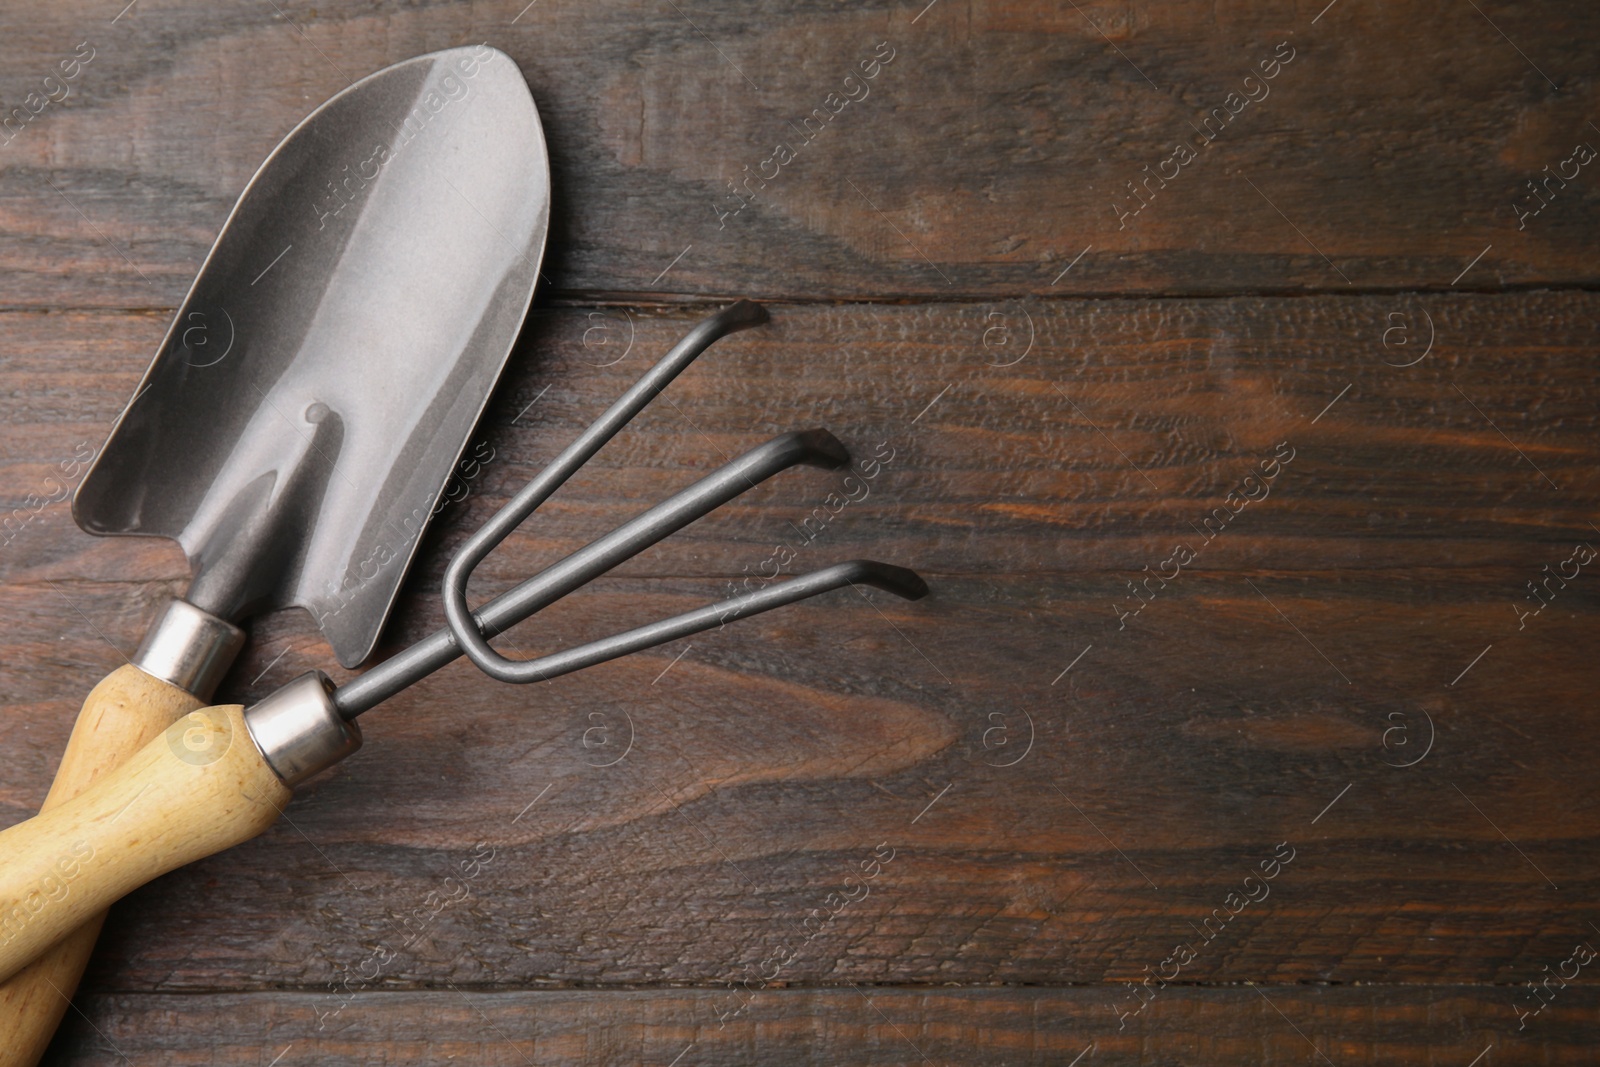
194 789
122 714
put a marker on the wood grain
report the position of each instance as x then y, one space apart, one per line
1238 1027
994 148
122 714
1120 424
196 789
1075 776
772 758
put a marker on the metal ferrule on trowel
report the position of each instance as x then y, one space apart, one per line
240 549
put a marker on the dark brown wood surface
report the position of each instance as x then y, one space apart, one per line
1329 326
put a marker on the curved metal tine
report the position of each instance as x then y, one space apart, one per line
816 448
738 316
897 580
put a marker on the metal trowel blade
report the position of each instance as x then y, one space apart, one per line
301 419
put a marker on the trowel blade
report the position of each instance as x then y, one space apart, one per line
301 419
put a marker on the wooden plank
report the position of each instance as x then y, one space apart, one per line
1116 425
1268 695
1004 149
788 841
1269 1025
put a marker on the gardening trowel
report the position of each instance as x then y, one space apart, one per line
304 412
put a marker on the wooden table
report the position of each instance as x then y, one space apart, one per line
1230 385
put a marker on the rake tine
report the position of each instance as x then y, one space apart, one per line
817 448
897 580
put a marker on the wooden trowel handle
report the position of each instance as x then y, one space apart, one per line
195 789
122 714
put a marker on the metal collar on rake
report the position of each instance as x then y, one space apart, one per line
469 631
